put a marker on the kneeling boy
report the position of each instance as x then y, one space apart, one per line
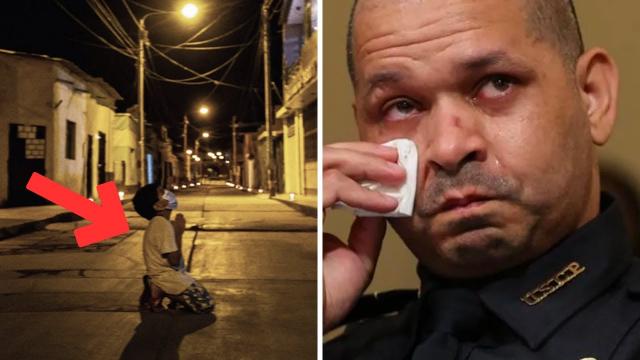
166 275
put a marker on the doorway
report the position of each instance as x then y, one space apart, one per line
27 149
89 165
102 158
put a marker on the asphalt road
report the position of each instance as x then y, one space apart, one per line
255 255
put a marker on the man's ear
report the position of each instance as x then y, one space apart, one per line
597 76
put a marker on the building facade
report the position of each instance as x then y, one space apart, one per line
298 114
55 119
125 155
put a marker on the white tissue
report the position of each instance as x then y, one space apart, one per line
405 193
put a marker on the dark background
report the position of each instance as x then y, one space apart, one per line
43 27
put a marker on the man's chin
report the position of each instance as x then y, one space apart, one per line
476 253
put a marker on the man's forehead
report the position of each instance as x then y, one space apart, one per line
413 21
364 6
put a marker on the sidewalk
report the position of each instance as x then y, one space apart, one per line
306 204
21 220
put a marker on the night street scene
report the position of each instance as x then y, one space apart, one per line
203 117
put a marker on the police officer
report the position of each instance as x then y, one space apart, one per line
520 254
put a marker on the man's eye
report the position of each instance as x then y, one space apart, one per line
495 87
399 110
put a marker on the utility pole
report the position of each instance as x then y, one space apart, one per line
196 152
234 161
187 158
188 11
142 40
267 95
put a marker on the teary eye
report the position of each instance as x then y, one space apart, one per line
495 86
399 110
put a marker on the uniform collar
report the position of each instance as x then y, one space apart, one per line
601 247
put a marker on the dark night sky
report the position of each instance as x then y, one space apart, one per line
42 27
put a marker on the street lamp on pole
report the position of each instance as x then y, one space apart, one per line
204 110
185 141
188 11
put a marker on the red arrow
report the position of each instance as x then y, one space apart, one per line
108 219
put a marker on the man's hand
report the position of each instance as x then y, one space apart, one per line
348 268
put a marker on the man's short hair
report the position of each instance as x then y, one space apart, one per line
144 199
553 21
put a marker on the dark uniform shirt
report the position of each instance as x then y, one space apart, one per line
581 300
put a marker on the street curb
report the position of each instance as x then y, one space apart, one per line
35 225
304 209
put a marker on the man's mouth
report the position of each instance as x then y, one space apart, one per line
461 201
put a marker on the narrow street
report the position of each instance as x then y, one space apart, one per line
257 256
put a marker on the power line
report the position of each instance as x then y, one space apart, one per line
224 76
130 12
205 48
218 37
125 52
188 69
112 23
218 68
164 103
255 67
189 81
198 33
145 6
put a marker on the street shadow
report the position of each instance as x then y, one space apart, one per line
158 336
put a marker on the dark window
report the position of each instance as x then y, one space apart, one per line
310 124
71 140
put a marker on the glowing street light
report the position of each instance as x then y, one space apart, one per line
189 151
189 11
205 134
204 110
211 155
219 153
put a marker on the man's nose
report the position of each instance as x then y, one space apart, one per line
453 142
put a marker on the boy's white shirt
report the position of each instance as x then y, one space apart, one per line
159 238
